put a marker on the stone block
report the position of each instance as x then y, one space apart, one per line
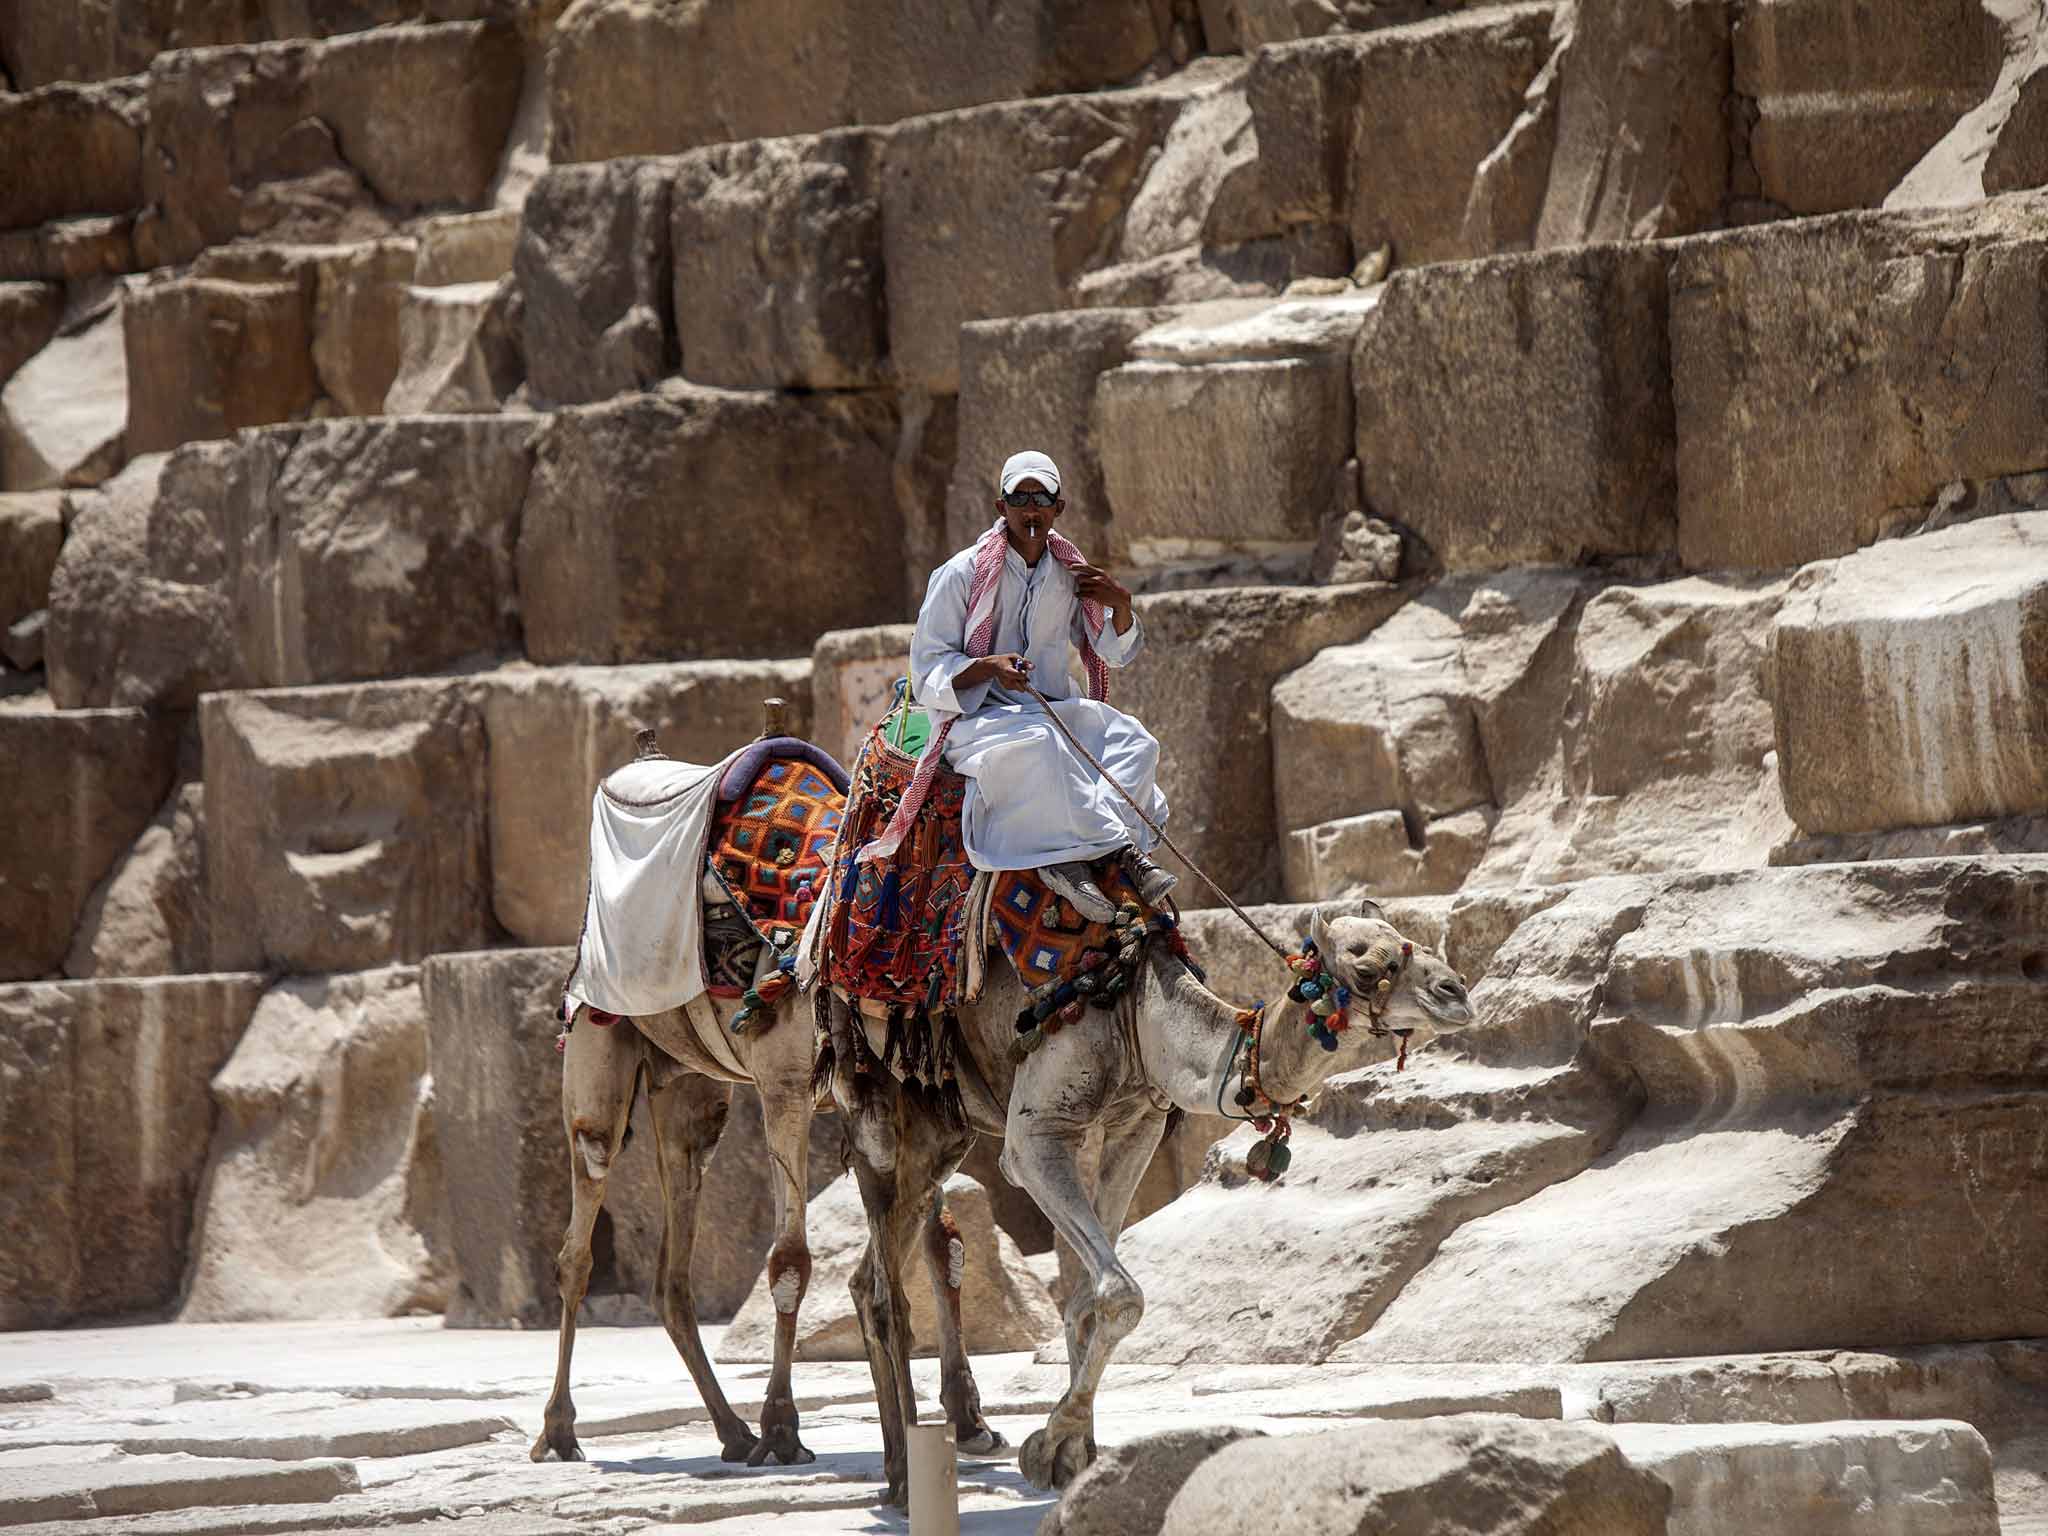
1003 1305
853 680
1406 1477
1223 458
498 1123
346 828
324 141
106 1491
71 150
140 607
1912 680
466 248
105 1126
323 1183
1125 1491
28 318
626 77
459 349
98 39
1823 1060
1916 1478
1518 411
1372 855
1201 686
376 548
150 916
699 523
778 263
206 358
1002 210
1029 382
1845 106
64 414
88 782
593 268
1832 376
554 733
31 535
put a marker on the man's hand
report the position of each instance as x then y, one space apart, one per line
1009 669
1098 586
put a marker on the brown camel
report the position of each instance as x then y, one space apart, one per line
1171 1042
681 1058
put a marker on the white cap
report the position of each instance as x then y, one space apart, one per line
1029 465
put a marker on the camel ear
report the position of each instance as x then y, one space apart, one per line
1371 909
1318 930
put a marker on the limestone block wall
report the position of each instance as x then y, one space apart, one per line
1579 462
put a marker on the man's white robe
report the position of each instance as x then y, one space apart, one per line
1031 799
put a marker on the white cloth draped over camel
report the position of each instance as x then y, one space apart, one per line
1031 799
643 941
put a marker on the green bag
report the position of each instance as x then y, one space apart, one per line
909 727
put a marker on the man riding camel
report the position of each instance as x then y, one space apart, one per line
997 620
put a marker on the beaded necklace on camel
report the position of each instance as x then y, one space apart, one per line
1329 1007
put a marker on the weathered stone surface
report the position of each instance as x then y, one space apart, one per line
1907 1478
1997 145
63 414
87 782
1125 1491
1642 135
1832 376
1030 382
150 916
28 318
1370 855
206 358
1382 131
140 611
323 1182
1844 110
1201 687
778 263
345 827
593 268
376 548
1477 1472
853 678
1518 410
459 349
1826 1053
71 150
650 526
630 77
498 1123
1003 1306
1002 210
554 733
1224 458
106 1120
107 1491
1912 680
31 535
466 248
324 140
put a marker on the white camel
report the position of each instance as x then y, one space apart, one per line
1169 1042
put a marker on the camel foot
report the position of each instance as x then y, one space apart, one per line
1053 1462
780 1446
558 1438
739 1446
984 1441
898 1496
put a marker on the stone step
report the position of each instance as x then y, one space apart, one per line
96 1492
392 122
274 1428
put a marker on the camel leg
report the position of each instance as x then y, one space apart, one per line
884 1311
786 1115
1107 1305
689 1116
599 1070
945 1256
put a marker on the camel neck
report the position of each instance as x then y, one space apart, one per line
1189 1036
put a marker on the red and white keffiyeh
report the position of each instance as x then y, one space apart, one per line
981 636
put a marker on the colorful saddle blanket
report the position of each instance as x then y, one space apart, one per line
895 927
772 846
1045 938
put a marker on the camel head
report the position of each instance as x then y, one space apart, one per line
1363 948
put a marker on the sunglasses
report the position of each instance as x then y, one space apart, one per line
1030 498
